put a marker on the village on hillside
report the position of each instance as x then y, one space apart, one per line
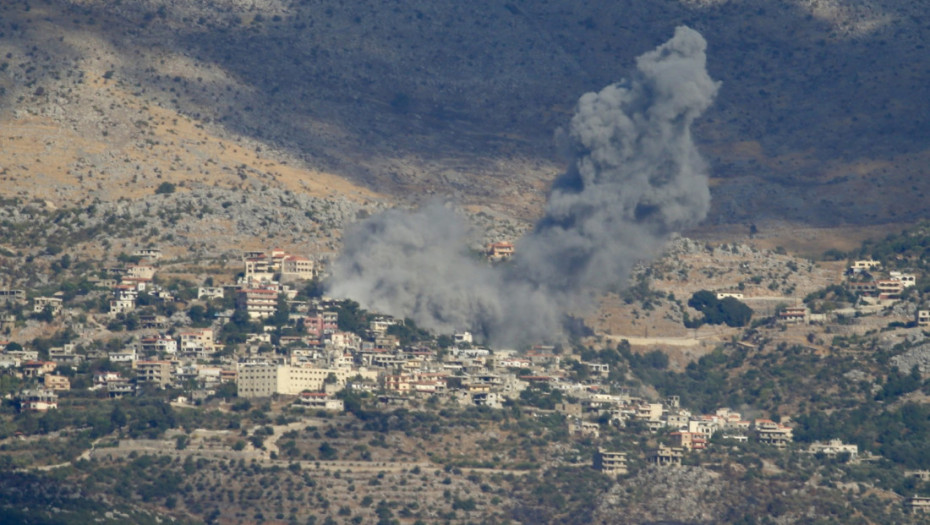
268 333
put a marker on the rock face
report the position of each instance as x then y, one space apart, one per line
666 495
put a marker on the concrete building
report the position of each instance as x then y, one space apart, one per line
210 292
793 315
499 251
320 401
689 440
771 433
266 379
198 341
39 304
159 345
833 448
923 317
297 268
260 303
38 400
258 269
155 372
666 457
610 463
917 504
257 379
56 383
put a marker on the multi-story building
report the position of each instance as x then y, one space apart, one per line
156 372
159 345
297 268
258 269
39 304
38 400
610 463
321 324
257 379
499 251
772 433
666 456
56 383
260 303
264 379
689 440
198 341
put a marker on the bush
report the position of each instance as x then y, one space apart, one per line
165 188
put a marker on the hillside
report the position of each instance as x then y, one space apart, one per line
819 119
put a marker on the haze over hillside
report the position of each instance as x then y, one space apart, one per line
821 117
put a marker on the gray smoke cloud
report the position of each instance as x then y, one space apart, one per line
635 178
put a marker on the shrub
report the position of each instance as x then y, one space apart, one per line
165 188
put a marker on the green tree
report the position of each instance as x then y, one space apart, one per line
165 188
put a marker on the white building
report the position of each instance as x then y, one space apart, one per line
834 447
297 268
265 379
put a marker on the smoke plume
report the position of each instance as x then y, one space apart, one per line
635 177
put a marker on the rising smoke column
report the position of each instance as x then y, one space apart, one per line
635 178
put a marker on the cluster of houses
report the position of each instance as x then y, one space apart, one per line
685 431
862 278
318 360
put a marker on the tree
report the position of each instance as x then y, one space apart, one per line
165 188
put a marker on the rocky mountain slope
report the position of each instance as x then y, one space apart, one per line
821 118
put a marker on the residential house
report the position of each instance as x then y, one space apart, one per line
689 440
772 433
597 369
159 344
321 324
158 373
39 304
907 279
124 300
140 271
18 296
148 253
864 265
297 268
158 322
320 401
38 400
923 317
37 368
610 463
65 355
889 288
793 314
917 504
259 303
834 447
210 292
126 355
582 428
499 251
197 341
56 383
258 269
666 457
